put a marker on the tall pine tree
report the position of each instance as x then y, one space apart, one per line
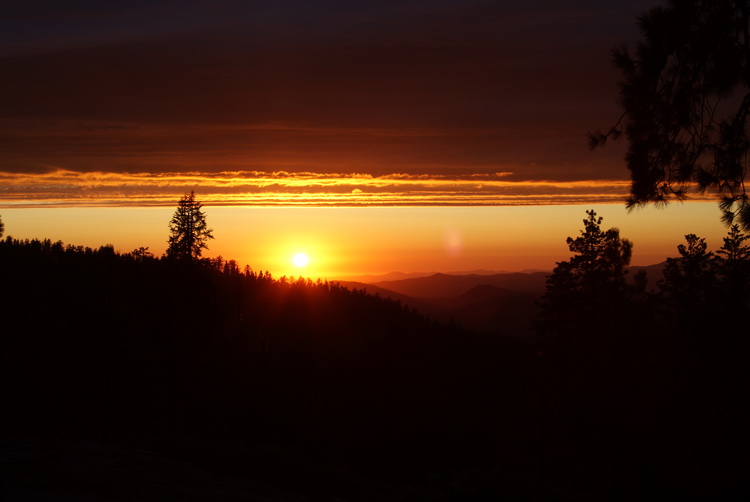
188 231
588 296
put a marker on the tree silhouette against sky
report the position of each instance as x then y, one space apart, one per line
587 294
685 96
188 231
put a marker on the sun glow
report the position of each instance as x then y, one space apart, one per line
345 243
300 260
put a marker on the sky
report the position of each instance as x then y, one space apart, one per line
352 242
262 101
409 104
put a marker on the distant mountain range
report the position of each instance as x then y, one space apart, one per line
397 276
497 302
502 302
441 286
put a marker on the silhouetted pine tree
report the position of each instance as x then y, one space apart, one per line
188 231
588 296
732 265
689 285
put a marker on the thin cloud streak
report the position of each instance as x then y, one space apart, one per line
256 188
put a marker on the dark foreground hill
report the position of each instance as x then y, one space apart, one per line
483 307
491 309
322 393
309 385
504 303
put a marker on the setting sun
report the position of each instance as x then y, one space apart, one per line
300 260
355 250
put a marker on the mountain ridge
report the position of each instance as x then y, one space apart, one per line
500 302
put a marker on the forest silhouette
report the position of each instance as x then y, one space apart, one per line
628 390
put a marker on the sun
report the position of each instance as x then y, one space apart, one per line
300 260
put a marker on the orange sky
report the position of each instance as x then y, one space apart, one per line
464 121
344 242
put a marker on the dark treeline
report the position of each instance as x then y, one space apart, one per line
336 393
237 370
652 375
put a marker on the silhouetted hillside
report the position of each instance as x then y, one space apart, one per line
653 273
244 373
483 308
493 309
330 393
451 286
499 302
424 306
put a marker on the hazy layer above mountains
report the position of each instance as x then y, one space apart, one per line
398 276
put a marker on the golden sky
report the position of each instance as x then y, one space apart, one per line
99 189
344 242
439 135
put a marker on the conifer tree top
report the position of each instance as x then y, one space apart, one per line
188 230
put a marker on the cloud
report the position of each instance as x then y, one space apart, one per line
443 87
88 145
284 188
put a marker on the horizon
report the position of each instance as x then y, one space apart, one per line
208 208
347 242
410 137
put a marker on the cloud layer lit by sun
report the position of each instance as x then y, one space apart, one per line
66 188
